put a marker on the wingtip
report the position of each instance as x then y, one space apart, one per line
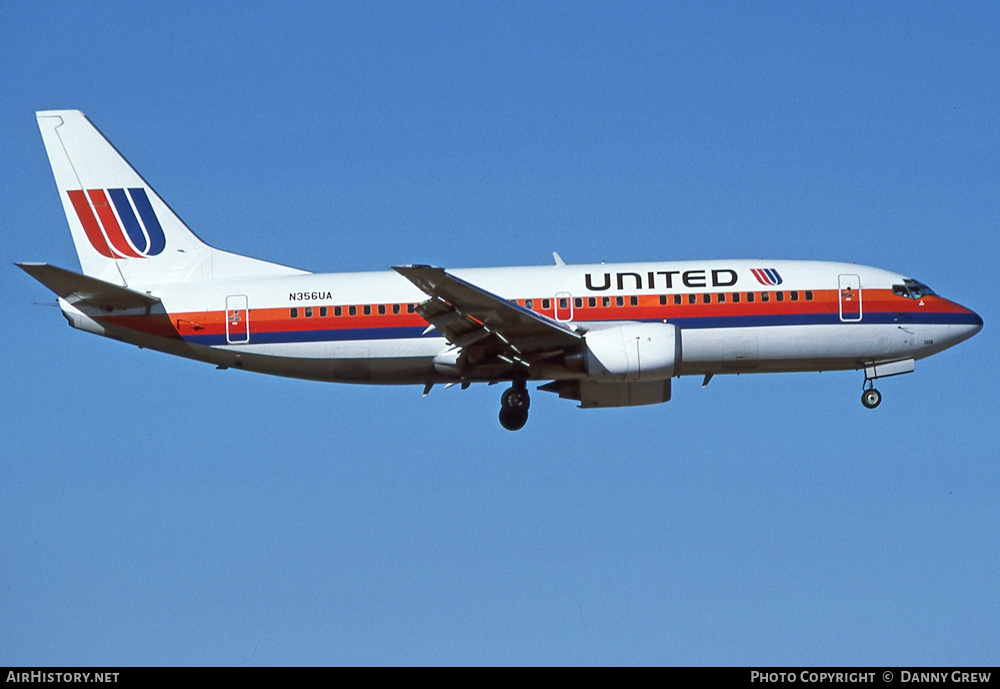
414 266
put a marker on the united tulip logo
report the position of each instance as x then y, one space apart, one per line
124 226
767 276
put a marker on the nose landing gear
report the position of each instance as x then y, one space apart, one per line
871 397
514 406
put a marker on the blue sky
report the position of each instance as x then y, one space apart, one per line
157 511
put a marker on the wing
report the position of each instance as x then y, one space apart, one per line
468 315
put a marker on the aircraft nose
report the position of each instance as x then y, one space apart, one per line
970 324
977 323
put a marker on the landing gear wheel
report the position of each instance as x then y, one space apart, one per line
513 420
514 405
871 398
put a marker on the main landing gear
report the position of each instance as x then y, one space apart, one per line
514 406
871 397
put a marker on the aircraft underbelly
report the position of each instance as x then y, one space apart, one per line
722 350
802 347
405 361
347 349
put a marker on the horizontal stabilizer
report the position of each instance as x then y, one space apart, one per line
81 290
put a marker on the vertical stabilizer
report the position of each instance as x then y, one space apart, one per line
123 231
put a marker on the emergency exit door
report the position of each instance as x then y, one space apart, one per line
564 306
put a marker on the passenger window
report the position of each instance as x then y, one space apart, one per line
736 297
578 303
353 310
750 297
529 303
605 301
395 308
309 312
592 302
563 303
619 301
663 300
410 308
545 304
809 295
722 298
295 313
677 300
338 311
323 312
794 296
779 296
634 301
706 298
692 298
765 296
368 309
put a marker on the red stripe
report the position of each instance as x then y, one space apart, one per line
89 222
112 228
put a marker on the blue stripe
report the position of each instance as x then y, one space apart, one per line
331 335
822 319
406 333
156 239
129 220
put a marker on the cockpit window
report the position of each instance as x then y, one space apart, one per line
911 289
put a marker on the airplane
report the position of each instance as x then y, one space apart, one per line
604 335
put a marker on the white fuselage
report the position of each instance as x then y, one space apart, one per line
820 316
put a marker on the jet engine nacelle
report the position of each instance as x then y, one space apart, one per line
632 353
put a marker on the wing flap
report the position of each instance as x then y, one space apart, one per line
466 314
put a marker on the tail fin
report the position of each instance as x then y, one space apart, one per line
123 231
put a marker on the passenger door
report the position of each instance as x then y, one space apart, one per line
850 299
237 319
